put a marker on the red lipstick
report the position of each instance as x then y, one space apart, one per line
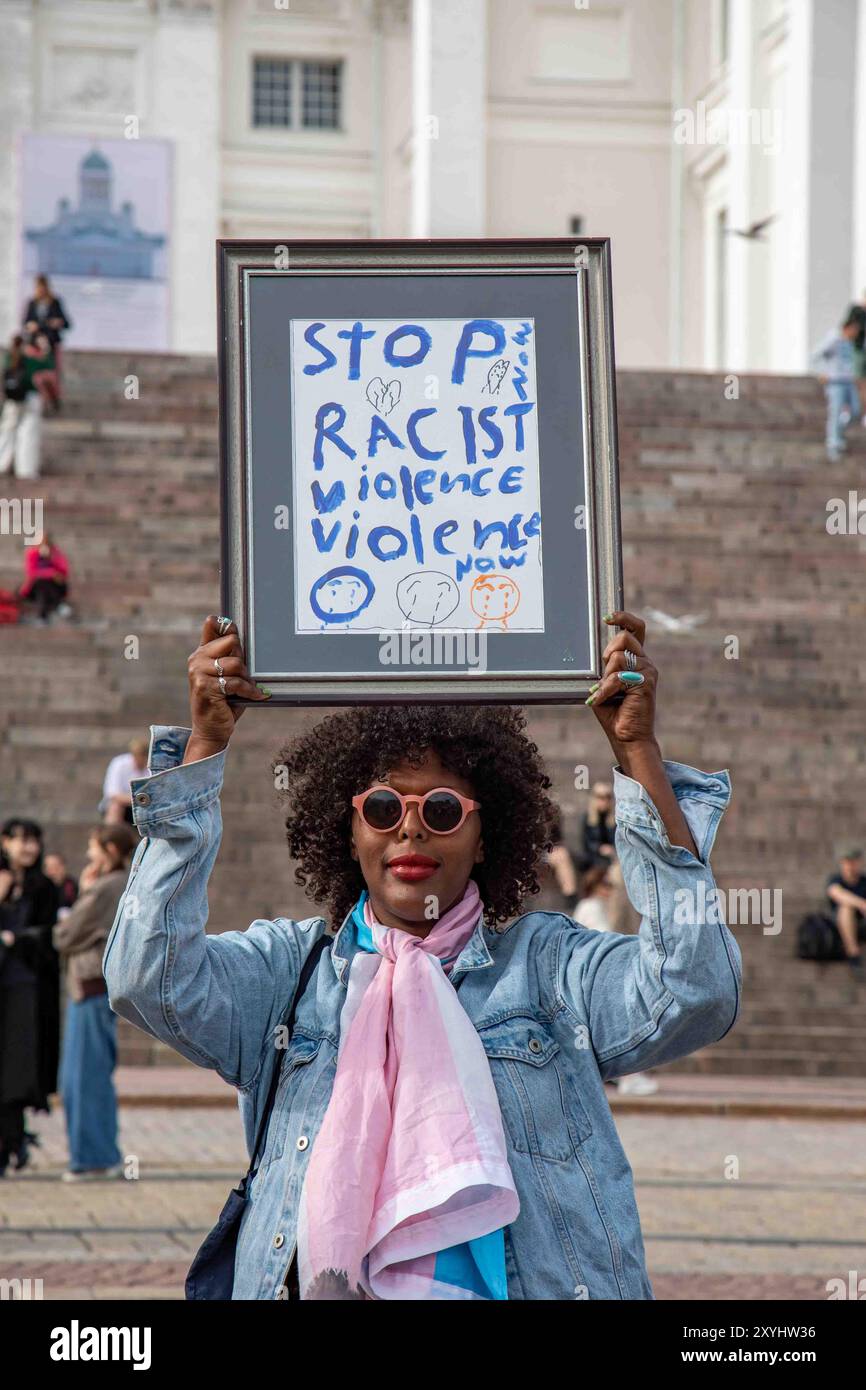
412 868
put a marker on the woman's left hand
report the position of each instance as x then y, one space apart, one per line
630 720
629 723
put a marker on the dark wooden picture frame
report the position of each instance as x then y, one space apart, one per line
584 468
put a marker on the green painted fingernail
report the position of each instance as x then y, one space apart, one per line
589 699
607 617
595 687
265 690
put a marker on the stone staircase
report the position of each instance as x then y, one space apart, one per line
724 511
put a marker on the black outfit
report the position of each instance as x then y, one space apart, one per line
47 594
16 379
592 837
29 1010
860 889
857 313
67 892
41 310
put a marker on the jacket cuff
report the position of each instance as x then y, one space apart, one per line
174 788
703 797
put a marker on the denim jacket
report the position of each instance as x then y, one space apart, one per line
835 357
559 1009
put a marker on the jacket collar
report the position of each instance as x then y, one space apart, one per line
474 956
343 949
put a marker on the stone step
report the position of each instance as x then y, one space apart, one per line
722 1062
849 1041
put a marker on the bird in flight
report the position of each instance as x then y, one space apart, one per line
753 233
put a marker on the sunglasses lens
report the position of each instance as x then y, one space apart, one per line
382 810
442 812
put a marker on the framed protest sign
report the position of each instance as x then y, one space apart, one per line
419 467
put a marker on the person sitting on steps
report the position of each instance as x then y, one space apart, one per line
846 889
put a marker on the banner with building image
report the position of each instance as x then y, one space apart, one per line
96 218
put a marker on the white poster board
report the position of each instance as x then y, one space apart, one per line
417 500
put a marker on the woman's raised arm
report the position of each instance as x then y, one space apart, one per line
214 999
674 987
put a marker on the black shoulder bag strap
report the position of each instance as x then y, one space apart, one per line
287 1024
212 1272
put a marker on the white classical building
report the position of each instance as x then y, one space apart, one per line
720 144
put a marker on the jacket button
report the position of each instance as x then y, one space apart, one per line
534 1045
303 1142
142 799
279 1240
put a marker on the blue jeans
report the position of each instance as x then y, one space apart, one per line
87 1084
841 395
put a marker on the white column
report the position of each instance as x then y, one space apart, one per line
449 41
820 166
747 302
858 267
831 204
16 117
187 92
795 186
676 191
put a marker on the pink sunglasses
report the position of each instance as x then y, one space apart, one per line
442 810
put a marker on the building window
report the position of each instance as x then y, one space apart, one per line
321 106
296 94
272 92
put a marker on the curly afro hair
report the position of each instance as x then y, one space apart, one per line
335 760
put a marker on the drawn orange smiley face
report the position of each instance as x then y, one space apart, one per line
493 598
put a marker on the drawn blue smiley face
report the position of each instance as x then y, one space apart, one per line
341 594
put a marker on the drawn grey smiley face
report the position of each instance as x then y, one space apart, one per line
427 597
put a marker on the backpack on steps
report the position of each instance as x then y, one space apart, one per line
15 383
818 938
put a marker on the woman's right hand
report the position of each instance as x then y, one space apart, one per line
212 718
88 876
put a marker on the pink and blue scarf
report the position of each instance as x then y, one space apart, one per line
408 1186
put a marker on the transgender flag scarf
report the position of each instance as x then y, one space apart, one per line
410 1159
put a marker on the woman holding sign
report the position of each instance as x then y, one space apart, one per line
425 1104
